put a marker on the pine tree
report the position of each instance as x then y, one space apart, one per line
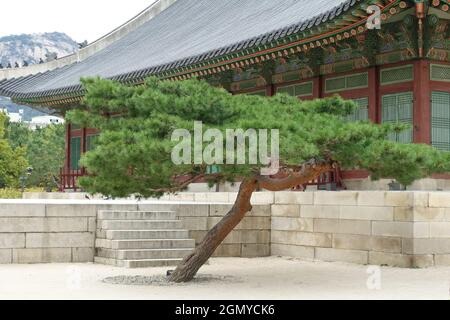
133 154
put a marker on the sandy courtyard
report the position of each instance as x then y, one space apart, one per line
229 278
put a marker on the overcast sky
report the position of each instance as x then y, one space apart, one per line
80 19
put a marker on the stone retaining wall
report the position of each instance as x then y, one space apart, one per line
405 229
40 232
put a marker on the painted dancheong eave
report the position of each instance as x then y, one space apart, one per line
223 36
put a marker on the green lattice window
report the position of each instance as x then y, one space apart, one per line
440 120
398 108
298 90
212 169
75 153
354 81
397 75
362 112
440 72
91 142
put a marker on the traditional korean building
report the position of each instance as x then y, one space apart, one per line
309 49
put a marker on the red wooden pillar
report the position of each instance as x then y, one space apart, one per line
68 137
422 102
374 97
270 90
317 87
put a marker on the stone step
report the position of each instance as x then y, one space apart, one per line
143 254
146 234
136 215
141 224
132 264
145 244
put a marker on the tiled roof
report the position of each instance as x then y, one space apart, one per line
188 32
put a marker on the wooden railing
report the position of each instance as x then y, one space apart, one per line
68 179
328 181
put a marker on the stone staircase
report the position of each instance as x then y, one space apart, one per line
141 239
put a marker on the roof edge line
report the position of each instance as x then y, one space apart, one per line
132 24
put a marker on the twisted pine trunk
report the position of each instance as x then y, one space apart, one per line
190 265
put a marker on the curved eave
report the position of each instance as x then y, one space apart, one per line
343 22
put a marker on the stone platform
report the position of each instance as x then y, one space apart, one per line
404 229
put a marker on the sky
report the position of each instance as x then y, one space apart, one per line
79 19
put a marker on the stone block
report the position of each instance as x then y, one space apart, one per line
371 198
342 198
182 196
405 214
60 240
421 229
261 211
104 243
12 240
286 250
429 214
320 212
342 226
219 210
5 256
254 236
442 260
421 199
423 261
71 210
212 197
368 243
292 224
14 225
393 229
45 255
390 259
301 238
248 223
439 200
351 256
255 250
117 207
82 255
262 198
399 199
92 224
186 210
367 213
426 246
439 229
22 210
195 223
294 198
228 250
285 210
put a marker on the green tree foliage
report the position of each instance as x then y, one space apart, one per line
12 160
44 151
133 154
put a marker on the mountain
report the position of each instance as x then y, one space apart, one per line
33 48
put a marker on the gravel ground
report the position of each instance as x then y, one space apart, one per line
225 278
